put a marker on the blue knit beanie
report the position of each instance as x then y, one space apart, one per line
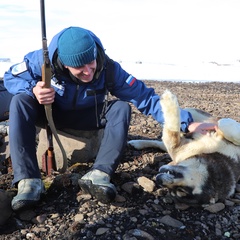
76 47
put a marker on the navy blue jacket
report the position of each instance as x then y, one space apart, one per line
72 96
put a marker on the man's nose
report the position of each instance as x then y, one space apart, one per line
86 69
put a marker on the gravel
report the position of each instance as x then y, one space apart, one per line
141 210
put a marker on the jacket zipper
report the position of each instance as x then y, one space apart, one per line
75 97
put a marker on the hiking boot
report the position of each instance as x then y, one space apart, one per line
29 193
97 183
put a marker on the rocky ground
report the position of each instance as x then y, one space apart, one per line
141 209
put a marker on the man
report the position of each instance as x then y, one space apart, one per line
77 93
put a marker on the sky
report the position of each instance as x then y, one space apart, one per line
155 39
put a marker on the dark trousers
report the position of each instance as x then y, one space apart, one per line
26 113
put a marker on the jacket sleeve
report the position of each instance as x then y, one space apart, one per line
128 88
20 80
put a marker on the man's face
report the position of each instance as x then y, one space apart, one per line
84 73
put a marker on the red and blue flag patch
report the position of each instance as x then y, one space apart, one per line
130 80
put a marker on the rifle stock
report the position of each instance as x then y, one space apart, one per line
46 67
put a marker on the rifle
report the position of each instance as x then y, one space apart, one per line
48 158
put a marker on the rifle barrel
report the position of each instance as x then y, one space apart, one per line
43 23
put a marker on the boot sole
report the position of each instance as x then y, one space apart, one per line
24 205
102 193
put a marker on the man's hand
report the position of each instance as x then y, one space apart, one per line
201 127
44 95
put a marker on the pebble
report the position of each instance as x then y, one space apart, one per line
214 208
39 219
181 206
147 184
141 233
167 220
128 186
4 128
101 231
55 215
30 235
133 219
78 217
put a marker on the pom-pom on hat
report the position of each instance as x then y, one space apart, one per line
76 47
